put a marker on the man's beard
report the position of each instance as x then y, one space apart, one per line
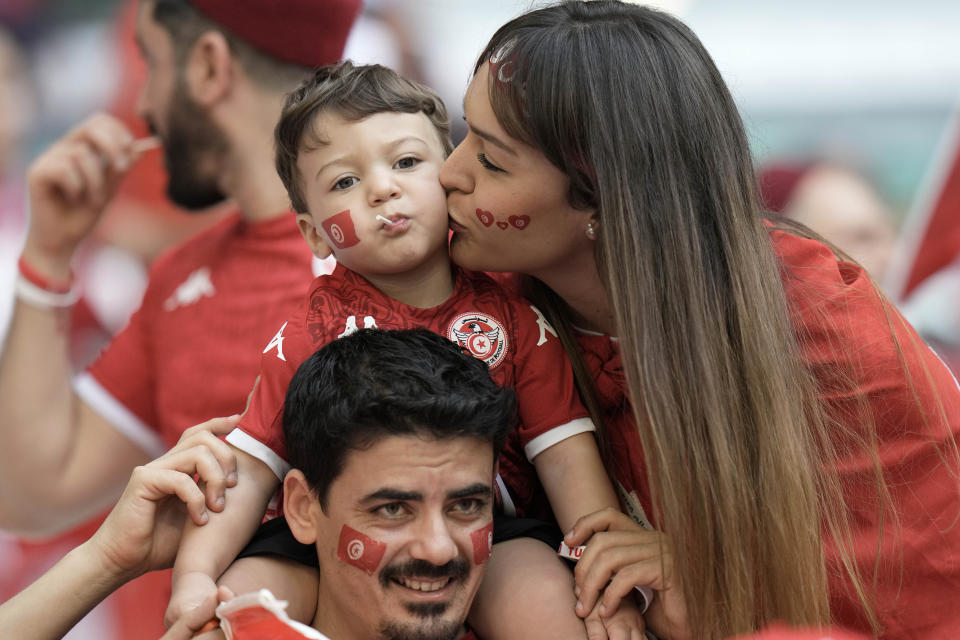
431 625
191 141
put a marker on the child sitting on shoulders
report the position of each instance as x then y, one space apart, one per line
359 149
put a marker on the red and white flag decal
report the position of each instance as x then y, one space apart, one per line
339 228
360 550
482 543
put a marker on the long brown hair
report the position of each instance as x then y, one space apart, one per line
625 100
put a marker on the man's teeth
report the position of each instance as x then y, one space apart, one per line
423 585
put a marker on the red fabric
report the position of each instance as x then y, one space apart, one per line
532 362
190 352
844 336
311 33
781 632
940 241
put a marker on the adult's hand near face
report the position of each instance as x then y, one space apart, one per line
621 554
69 186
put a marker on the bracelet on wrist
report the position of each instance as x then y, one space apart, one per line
38 291
39 280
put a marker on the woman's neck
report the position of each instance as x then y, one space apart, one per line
579 284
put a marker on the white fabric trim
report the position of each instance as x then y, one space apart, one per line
247 443
509 508
588 332
114 412
558 434
325 266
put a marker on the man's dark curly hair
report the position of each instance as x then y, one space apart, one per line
373 384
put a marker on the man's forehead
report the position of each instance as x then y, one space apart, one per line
416 464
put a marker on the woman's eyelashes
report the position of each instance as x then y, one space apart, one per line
486 164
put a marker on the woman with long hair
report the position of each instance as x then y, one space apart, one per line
764 409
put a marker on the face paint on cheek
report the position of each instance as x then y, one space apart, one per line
482 540
340 230
520 222
485 217
359 550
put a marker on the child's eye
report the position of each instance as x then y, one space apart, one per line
486 164
408 162
345 183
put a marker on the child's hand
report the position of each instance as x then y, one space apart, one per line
625 624
191 591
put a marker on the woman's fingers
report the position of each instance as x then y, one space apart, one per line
158 483
603 520
610 554
207 433
198 460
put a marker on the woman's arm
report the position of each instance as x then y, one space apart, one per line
140 534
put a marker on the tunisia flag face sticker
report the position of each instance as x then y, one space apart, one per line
363 552
482 540
339 228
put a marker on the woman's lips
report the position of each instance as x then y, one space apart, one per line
456 226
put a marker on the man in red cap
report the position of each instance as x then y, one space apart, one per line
217 73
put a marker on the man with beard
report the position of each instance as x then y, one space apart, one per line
217 74
393 437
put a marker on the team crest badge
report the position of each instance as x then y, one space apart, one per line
481 335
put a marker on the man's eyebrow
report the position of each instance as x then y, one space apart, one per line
388 493
473 491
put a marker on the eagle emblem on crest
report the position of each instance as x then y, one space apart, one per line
482 335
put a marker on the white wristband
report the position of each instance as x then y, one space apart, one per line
41 298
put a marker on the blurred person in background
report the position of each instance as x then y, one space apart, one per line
837 202
215 81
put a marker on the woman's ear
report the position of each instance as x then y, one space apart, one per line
314 237
301 507
209 69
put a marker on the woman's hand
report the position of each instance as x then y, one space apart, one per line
621 554
143 530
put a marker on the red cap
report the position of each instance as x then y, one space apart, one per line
311 33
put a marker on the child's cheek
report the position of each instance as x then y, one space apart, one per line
340 230
359 550
482 540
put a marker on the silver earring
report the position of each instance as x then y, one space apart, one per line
591 231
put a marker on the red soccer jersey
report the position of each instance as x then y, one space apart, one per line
503 330
189 353
844 336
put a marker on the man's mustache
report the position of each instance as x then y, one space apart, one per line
456 568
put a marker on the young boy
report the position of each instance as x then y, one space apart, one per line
359 150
